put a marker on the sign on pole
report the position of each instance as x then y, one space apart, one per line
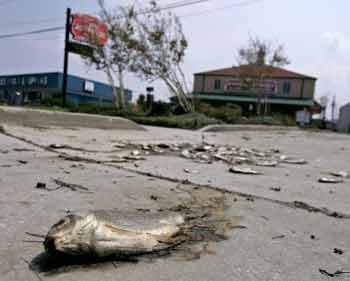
85 29
89 29
83 50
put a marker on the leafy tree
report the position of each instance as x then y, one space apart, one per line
257 60
114 58
160 51
147 42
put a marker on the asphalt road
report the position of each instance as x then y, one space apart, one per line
281 241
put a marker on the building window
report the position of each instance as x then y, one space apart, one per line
217 84
286 88
89 87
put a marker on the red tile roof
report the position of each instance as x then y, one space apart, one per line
274 72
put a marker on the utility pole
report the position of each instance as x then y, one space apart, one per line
66 56
334 104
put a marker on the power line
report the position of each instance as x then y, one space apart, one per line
209 11
181 4
38 31
174 5
12 39
31 22
5 2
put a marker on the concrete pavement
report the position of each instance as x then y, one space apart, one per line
279 242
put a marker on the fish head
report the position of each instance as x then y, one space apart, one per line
62 236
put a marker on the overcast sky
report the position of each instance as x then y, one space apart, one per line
315 33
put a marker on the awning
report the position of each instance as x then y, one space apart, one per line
227 98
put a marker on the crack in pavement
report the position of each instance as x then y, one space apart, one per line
294 204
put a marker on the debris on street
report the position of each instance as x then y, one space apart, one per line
335 274
292 160
278 237
341 174
338 251
330 180
244 170
40 185
71 186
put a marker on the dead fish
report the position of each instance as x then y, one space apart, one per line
188 171
341 174
221 157
119 145
145 147
105 234
204 157
133 158
242 170
330 180
135 153
267 163
291 160
203 148
163 145
186 153
240 160
57 146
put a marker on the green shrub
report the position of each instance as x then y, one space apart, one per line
185 121
229 113
276 119
52 101
160 108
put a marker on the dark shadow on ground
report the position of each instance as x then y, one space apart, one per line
60 263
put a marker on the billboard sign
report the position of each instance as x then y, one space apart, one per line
236 84
89 29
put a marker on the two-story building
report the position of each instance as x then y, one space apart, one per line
279 90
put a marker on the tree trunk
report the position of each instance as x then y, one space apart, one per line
121 91
114 90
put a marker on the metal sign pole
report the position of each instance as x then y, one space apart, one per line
66 56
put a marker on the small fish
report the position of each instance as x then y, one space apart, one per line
242 170
292 160
341 174
267 163
330 180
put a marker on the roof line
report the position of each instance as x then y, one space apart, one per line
59 73
297 75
